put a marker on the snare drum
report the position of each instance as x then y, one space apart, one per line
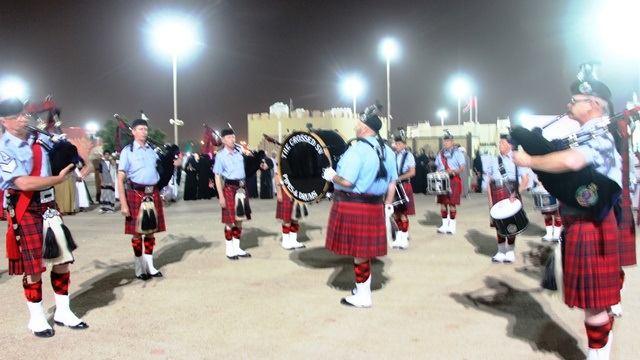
544 202
401 198
438 183
509 217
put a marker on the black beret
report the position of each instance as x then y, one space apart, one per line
591 87
447 135
226 132
370 117
10 107
399 139
138 122
505 137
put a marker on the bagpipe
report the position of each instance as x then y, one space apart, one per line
167 153
585 189
61 152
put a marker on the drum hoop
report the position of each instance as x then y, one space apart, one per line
325 149
516 201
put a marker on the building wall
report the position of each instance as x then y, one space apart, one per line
472 136
338 119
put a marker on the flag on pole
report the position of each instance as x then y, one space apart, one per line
470 105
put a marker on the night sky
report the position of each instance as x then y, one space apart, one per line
94 57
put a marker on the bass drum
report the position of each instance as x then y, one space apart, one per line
302 158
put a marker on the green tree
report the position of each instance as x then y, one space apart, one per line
108 135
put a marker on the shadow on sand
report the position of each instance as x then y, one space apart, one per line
342 278
527 320
104 289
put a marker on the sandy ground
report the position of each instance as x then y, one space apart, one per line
441 299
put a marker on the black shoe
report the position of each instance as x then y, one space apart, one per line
81 326
44 334
156 275
143 277
234 257
246 255
344 301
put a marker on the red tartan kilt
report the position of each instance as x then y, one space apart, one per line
284 208
134 200
591 263
357 229
454 197
3 213
229 212
30 261
627 245
410 208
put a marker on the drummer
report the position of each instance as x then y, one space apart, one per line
507 181
450 160
552 219
406 164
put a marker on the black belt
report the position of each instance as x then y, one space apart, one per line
233 182
140 187
39 197
358 198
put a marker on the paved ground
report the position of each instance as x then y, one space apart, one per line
441 299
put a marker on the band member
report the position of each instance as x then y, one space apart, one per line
451 160
364 182
552 218
285 211
28 185
507 181
591 253
406 170
230 177
107 193
140 199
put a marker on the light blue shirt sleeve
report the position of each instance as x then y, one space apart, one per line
123 163
409 162
349 165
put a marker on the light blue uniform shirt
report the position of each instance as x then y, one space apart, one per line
409 162
139 164
455 159
359 165
601 153
229 164
509 167
16 158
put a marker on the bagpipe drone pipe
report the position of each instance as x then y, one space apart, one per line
61 152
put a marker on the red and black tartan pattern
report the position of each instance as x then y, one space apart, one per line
60 283
31 239
591 262
357 229
134 200
284 208
32 291
229 212
452 198
627 245
3 213
410 207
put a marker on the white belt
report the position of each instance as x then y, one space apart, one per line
47 195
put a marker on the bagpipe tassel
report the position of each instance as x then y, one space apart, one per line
149 223
305 210
247 208
50 248
58 242
71 245
553 273
298 214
